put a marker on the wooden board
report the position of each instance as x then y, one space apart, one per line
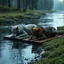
27 39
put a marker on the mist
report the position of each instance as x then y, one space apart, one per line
58 5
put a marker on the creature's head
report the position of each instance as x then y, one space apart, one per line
35 29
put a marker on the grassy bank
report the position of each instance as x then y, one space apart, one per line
20 14
12 13
54 52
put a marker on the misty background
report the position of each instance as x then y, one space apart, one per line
34 4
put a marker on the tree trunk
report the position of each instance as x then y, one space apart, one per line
9 3
24 5
4 2
18 4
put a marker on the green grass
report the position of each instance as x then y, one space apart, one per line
61 28
13 13
54 52
2 19
28 13
20 14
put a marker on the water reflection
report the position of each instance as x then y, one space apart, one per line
25 53
14 52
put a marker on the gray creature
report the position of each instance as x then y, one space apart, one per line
22 29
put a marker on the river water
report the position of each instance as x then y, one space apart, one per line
13 52
52 19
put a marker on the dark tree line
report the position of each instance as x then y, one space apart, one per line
45 4
29 4
5 2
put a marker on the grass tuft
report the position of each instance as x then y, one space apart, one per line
54 52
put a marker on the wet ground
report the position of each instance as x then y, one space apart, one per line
14 52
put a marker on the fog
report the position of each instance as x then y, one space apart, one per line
58 5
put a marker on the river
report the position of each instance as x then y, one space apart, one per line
52 19
13 52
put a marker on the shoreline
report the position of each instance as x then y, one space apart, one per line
10 22
53 52
11 18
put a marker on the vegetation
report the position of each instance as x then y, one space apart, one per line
21 14
7 9
54 52
20 9
17 9
45 4
60 28
28 4
13 13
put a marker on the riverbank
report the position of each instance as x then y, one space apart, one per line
15 16
54 52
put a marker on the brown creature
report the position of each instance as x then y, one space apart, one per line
43 33
38 33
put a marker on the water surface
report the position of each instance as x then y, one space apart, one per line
15 52
52 19
12 52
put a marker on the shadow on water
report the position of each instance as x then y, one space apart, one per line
15 52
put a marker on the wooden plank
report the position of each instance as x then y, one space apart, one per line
27 39
48 39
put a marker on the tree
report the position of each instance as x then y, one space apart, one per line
9 3
3 2
18 4
45 4
33 4
25 5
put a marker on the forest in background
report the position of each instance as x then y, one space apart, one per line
21 9
28 4
58 5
